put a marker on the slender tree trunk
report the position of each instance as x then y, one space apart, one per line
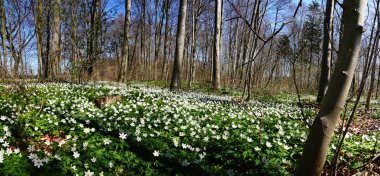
125 51
3 36
373 56
47 59
373 71
158 37
326 53
19 60
236 54
180 42
378 84
75 69
93 38
256 27
13 56
143 56
217 38
322 130
166 37
195 16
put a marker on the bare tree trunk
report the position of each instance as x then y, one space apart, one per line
326 53
217 37
378 84
236 54
75 69
40 41
125 51
19 54
373 56
143 56
92 54
322 130
166 37
46 65
195 16
180 42
158 36
373 70
256 27
56 33
3 36
13 55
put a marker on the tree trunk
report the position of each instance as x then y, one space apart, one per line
166 37
373 58
217 37
378 85
143 56
180 42
92 40
56 42
3 37
13 55
195 16
326 53
75 68
40 41
125 51
158 36
47 58
322 130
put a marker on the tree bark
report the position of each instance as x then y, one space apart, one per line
322 130
166 37
3 37
56 42
158 36
143 56
75 67
125 51
326 53
40 41
195 16
180 42
217 37
92 50
46 65
373 57
373 70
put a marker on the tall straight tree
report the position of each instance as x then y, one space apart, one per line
326 50
93 38
40 40
322 130
373 57
125 51
180 43
217 37
166 37
3 36
56 42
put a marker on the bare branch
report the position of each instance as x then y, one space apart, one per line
298 6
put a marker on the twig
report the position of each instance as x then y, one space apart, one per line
300 105
251 28
369 162
298 6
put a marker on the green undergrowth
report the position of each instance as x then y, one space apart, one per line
57 129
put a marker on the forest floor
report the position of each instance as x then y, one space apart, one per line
142 128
